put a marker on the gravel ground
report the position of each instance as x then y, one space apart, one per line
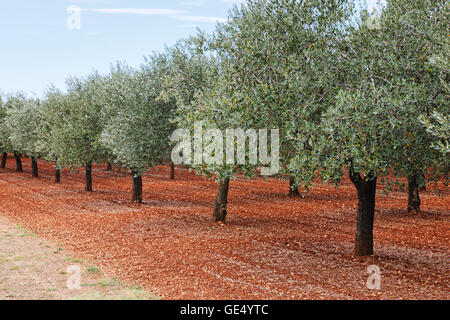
272 246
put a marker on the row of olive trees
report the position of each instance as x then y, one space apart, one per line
345 95
18 113
117 118
347 99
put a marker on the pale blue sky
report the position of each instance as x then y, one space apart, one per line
37 47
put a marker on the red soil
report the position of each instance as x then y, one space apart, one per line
272 247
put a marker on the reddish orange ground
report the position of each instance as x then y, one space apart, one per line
272 247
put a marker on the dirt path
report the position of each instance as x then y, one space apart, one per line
272 247
36 269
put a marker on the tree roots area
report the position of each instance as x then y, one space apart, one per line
272 246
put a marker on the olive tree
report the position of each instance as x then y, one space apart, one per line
283 53
138 123
373 126
12 137
266 68
4 139
50 145
22 121
412 34
204 96
438 123
78 143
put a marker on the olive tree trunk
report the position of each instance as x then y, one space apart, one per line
137 188
172 171
366 189
89 177
109 166
413 194
220 208
34 167
293 188
4 158
57 175
18 162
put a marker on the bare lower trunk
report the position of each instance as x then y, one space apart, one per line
172 171
293 188
34 166
18 162
366 212
109 166
89 177
137 188
4 157
220 208
413 194
57 175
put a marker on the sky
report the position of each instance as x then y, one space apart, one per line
43 41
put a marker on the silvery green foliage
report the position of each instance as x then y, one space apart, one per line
116 87
386 84
415 33
21 122
268 67
80 126
138 124
200 85
5 143
279 57
54 108
438 126
341 93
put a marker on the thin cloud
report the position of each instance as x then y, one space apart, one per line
151 12
204 19
180 15
233 1
89 1
197 3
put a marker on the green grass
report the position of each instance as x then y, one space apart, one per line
24 232
108 283
28 234
127 294
135 294
93 269
19 258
